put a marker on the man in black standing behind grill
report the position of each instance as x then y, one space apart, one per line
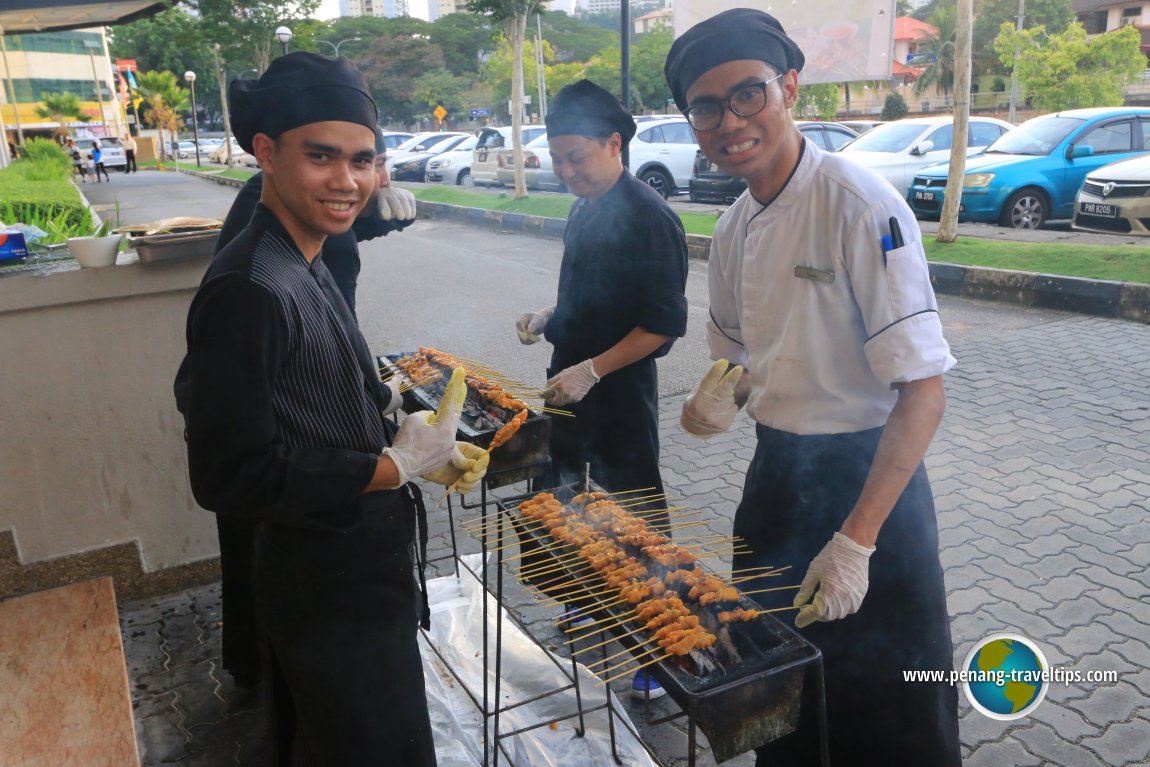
283 407
620 305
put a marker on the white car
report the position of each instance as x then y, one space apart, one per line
662 153
113 150
417 144
897 150
1116 199
453 167
485 158
537 173
220 153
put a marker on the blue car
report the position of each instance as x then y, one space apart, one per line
1032 173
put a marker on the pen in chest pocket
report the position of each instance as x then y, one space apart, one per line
892 241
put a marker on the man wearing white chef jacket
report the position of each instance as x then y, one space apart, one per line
819 289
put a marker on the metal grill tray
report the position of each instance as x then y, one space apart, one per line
522 457
739 708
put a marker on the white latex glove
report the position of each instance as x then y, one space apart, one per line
840 572
396 401
570 384
712 408
531 325
420 447
467 466
396 204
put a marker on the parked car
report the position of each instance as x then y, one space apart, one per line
220 153
897 150
392 139
186 149
417 144
414 167
861 126
710 184
113 150
662 153
1116 198
453 167
1033 173
537 172
485 159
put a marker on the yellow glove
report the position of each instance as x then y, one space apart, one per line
452 403
713 405
467 466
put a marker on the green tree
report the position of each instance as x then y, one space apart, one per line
441 87
940 45
1054 15
512 16
929 9
1065 71
894 108
497 72
606 69
562 74
165 104
819 101
575 40
648 54
59 107
463 39
391 66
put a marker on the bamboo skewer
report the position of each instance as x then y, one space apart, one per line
624 651
776 588
637 668
608 640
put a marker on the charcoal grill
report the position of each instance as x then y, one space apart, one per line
752 693
522 457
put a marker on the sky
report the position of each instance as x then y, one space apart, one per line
328 9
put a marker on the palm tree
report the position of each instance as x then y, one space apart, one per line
166 101
59 107
940 47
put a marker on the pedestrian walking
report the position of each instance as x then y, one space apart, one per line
129 144
98 163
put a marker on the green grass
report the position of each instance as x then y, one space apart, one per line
48 200
550 206
1120 262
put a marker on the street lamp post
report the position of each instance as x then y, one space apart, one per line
190 76
335 46
283 34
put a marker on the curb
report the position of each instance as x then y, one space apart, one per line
216 177
1100 298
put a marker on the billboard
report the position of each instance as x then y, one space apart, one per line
842 40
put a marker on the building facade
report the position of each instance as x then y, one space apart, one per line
59 62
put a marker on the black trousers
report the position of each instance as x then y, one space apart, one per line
616 430
339 613
130 166
241 636
799 489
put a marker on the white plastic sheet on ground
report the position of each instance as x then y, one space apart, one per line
457 632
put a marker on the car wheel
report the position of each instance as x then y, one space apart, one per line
658 180
1026 209
464 178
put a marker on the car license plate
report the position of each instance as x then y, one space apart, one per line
924 196
1098 209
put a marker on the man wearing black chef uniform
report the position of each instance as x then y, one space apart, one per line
620 306
815 291
283 407
389 210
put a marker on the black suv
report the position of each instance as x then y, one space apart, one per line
709 184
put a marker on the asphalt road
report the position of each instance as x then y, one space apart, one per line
461 288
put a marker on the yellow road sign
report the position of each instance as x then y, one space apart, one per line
440 112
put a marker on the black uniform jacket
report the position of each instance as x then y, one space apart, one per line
281 397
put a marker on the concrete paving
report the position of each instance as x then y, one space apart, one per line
1041 480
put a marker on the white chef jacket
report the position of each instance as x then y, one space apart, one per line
803 296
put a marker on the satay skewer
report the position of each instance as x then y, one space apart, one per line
776 588
636 668
609 640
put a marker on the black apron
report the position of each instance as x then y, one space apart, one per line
339 613
799 489
616 430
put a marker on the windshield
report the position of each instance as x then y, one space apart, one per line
414 141
890 138
1036 137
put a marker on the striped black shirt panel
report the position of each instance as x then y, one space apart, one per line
320 396
282 424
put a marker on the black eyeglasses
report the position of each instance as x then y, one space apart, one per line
747 101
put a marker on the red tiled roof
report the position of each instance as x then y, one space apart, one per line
897 68
908 28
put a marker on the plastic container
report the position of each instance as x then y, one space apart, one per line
94 252
167 247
